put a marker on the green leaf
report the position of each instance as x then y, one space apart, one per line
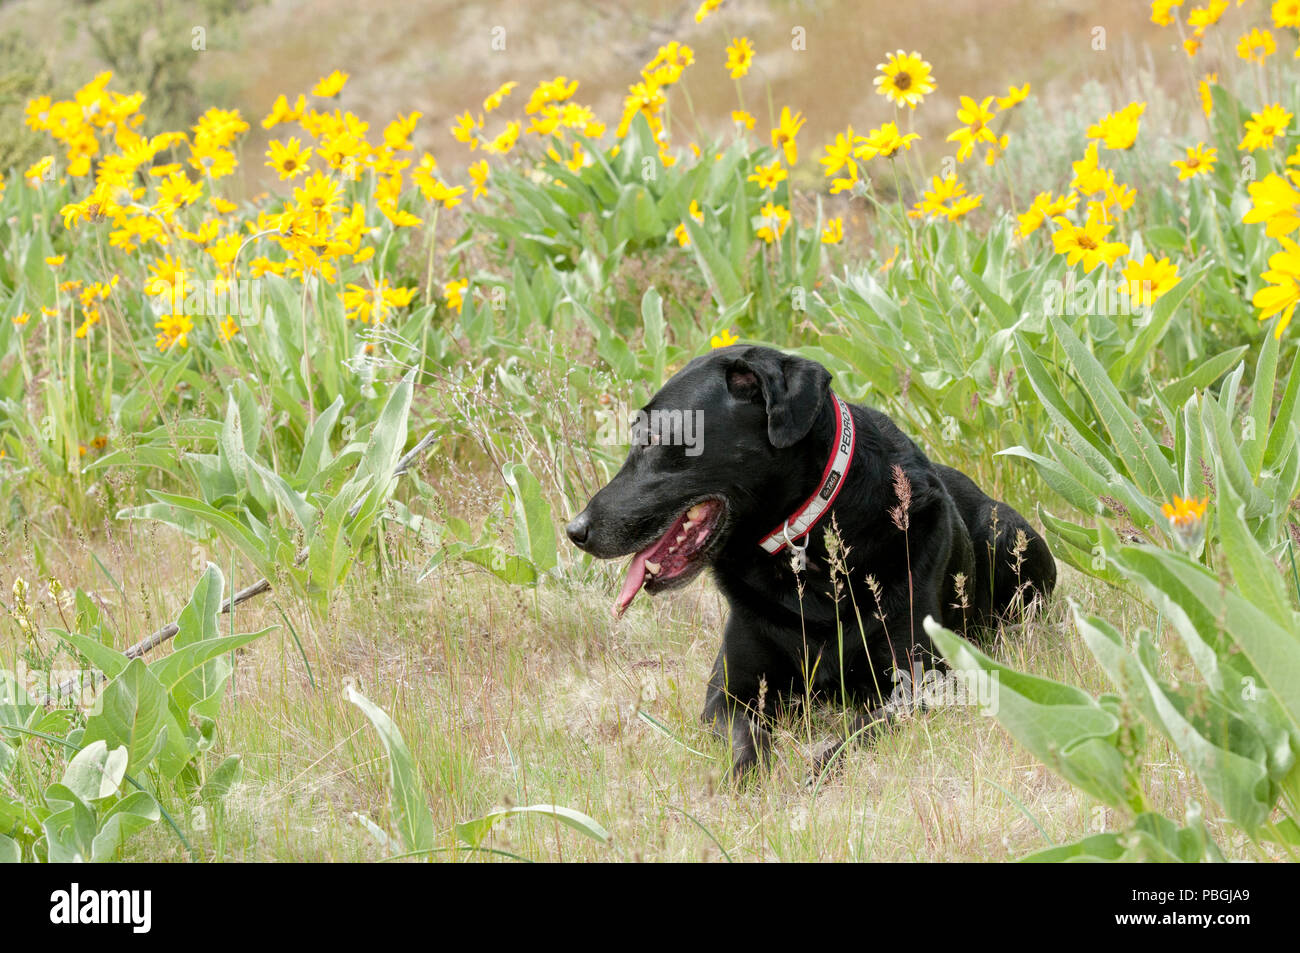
1152 838
133 715
223 780
108 660
1224 751
473 832
410 810
509 568
316 446
1065 728
1194 599
95 772
70 827
128 816
652 317
534 526
1132 360
384 448
1252 570
1132 441
1202 377
722 278
230 528
183 672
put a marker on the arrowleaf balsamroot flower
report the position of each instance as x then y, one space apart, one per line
1276 202
706 8
905 79
1256 46
723 339
464 128
839 155
1283 293
1187 520
1147 282
1086 243
1160 12
1286 13
783 136
371 305
478 173
331 85
1044 207
776 219
454 293
884 142
680 232
497 97
740 55
289 159
172 329
943 191
280 111
1265 126
397 134
976 117
833 233
742 117
1013 98
768 176
1207 97
1119 130
1089 177
1200 161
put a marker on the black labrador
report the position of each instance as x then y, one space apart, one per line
742 462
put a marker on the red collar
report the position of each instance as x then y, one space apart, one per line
837 467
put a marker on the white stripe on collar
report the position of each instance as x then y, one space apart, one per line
805 517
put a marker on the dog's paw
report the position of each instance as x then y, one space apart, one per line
751 749
826 760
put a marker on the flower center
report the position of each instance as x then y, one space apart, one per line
1086 241
903 80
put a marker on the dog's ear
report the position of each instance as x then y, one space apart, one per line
793 389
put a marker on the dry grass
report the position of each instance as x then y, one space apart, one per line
509 696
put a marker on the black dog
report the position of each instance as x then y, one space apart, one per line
778 455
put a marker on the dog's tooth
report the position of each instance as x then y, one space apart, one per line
695 512
652 568
680 537
687 525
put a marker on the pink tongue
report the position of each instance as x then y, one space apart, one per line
631 585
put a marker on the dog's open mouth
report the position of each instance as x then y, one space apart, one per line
674 557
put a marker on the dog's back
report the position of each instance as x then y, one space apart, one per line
1011 569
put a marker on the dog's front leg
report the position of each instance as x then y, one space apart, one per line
731 710
737 701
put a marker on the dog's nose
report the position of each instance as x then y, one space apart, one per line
579 527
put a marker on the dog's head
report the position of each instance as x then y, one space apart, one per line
706 454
